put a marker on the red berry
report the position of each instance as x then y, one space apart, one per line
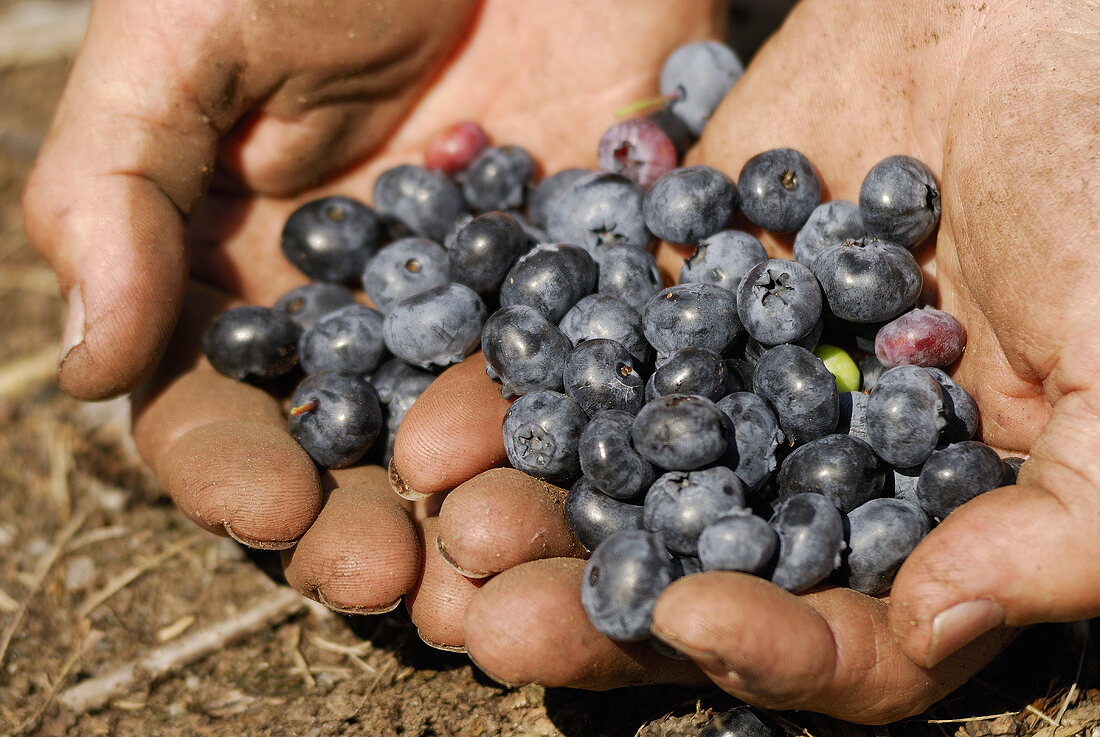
638 150
453 148
921 337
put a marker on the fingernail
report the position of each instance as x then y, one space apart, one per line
359 610
73 334
397 483
710 661
451 562
258 544
960 625
441 646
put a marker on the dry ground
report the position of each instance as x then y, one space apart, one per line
98 571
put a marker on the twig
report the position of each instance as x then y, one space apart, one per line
1073 686
963 720
7 604
1041 715
98 535
294 642
60 446
174 630
124 579
95 692
37 368
45 565
32 721
334 647
374 684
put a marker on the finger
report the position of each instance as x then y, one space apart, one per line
221 448
440 598
527 625
1016 555
830 651
362 553
127 156
451 433
502 518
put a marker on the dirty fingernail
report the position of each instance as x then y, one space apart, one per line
960 625
397 483
73 334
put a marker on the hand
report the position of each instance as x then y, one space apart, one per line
995 97
206 125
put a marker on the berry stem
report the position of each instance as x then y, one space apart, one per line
645 104
301 409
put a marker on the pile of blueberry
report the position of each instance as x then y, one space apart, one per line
718 424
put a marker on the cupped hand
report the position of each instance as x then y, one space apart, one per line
186 135
996 98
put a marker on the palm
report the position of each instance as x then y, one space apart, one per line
523 86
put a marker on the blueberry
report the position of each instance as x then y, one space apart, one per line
499 178
905 415
779 189
690 203
843 468
691 315
698 76
811 539
723 259
737 541
853 415
600 316
680 504
692 371
962 416
1012 466
391 373
597 211
881 535
629 273
541 433
756 437
675 128
599 374
868 280
485 249
330 239
637 149
905 484
425 202
900 200
870 371
403 269
830 223
405 393
622 580
252 342
348 339
779 301
547 190
681 433
523 350
956 474
551 278
436 328
593 516
741 721
800 389
335 417
608 458
305 305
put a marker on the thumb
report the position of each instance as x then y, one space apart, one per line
1013 556
126 159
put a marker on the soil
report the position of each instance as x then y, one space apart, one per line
66 464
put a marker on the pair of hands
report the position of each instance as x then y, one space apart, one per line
187 135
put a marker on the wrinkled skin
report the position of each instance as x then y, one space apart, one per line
996 96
